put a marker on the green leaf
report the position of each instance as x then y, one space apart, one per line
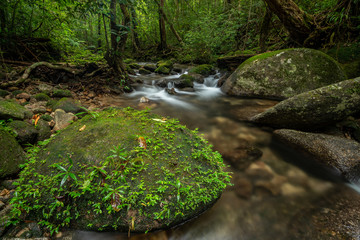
60 168
63 180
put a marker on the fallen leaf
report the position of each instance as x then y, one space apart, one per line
36 120
115 201
82 128
4 192
159 120
142 142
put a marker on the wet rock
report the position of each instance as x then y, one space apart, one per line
134 65
11 154
204 70
283 74
63 119
243 187
4 93
4 219
242 156
339 154
193 77
316 108
144 100
11 109
334 216
25 132
144 71
150 67
146 198
260 171
170 91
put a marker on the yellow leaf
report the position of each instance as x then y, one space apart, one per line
142 142
82 128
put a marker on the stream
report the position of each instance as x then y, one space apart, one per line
269 191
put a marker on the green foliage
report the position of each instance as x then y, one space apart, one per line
118 183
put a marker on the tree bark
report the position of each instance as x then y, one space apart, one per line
299 24
264 30
119 36
99 31
172 28
135 36
162 28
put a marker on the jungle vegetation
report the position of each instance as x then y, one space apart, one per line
186 30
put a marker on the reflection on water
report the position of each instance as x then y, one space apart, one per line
268 189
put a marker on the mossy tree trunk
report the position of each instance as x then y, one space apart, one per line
119 35
299 24
163 45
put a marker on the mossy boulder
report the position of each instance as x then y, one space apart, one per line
25 132
68 105
123 170
339 154
283 74
11 109
316 108
150 67
193 77
11 154
60 93
144 71
42 97
204 69
134 65
163 70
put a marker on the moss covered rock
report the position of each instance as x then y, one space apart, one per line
193 77
339 154
163 70
283 74
316 108
25 132
11 109
204 69
42 97
11 154
122 170
68 105
60 93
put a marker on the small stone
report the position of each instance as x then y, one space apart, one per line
144 100
63 119
243 187
23 95
288 189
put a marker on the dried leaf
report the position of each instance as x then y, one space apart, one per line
4 192
36 120
82 128
159 120
115 201
142 142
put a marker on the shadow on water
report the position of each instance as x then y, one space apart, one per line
267 193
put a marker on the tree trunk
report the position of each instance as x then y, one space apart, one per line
135 36
119 35
163 44
264 30
99 32
172 28
299 24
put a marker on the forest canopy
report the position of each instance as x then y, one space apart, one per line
187 30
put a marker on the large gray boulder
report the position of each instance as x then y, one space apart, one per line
341 155
11 154
316 108
122 170
283 74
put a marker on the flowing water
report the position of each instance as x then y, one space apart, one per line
268 192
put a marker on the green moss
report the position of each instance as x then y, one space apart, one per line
129 61
42 97
134 65
62 93
162 70
102 179
3 93
204 69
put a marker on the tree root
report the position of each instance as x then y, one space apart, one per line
26 74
